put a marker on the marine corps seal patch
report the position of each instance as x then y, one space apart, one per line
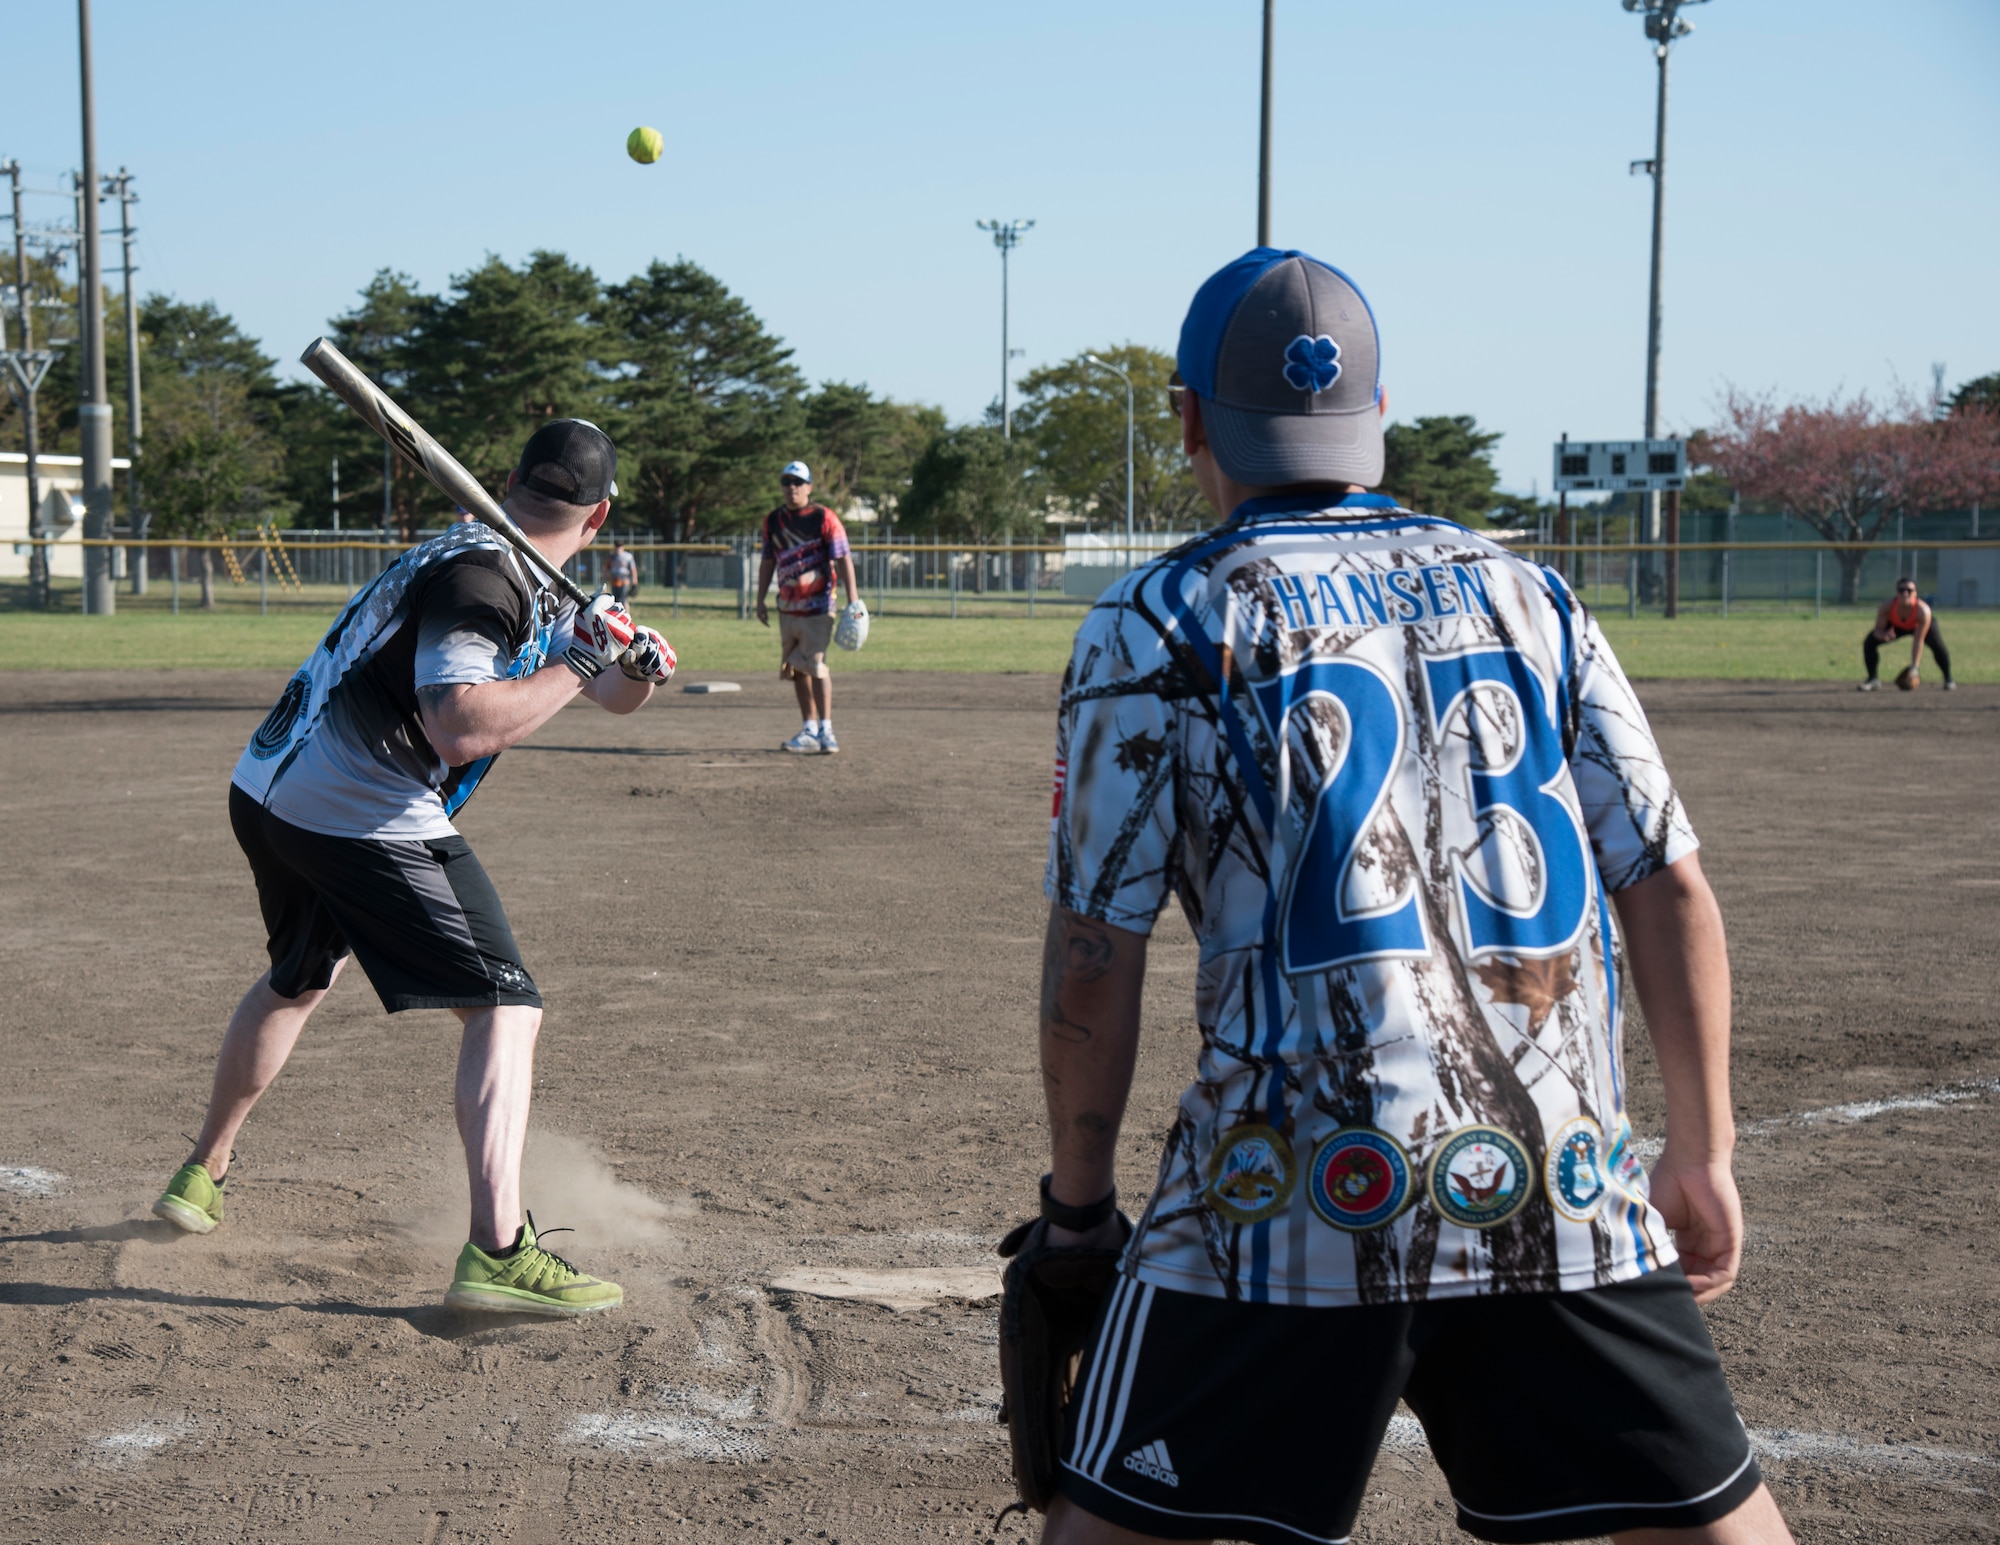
1359 1180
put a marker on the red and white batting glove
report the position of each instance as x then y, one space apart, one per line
599 634
651 658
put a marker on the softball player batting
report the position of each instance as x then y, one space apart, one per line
1399 785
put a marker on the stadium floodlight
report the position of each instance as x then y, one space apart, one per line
1664 25
1107 365
1006 236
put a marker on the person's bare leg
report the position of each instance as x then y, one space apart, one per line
1756 1522
496 1076
822 695
1069 1524
802 687
260 1037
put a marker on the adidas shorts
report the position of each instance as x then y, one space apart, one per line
422 918
1554 1416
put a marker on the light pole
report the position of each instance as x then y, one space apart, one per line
94 411
1264 140
1006 236
1107 365
1664 26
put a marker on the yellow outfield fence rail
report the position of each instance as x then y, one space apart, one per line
998 578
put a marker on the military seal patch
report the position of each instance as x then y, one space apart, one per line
1359 1180
1251 1173
1573 1174
1480 1177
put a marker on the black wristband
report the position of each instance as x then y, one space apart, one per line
1078 1220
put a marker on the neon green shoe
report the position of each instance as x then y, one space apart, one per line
530 1281
192 1201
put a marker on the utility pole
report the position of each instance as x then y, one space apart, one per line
136 516
25 368
1107 365
1006 236
1264 140
1664 26
94 411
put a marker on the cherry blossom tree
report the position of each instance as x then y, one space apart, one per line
1847 468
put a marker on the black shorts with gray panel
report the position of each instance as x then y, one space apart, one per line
1554 1416
421 916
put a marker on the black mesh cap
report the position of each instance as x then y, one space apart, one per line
570 459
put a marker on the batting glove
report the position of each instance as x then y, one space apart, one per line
651 658
599 634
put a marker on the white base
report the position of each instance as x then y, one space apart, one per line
713 686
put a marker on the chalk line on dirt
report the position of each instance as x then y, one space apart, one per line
1776 1445
27 1180
690 1424
1959 1093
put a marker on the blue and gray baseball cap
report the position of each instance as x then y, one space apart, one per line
1283 353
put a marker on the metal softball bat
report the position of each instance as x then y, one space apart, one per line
437 465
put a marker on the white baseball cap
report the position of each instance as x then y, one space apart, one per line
799 470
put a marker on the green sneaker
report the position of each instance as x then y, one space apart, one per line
192 1200
530 1281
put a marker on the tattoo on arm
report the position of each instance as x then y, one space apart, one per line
1076 951
433 698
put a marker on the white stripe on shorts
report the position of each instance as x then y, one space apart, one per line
1128 1370
1102 1374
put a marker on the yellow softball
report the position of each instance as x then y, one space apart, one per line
644 145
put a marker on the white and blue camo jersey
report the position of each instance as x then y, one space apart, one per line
343 752
1392 772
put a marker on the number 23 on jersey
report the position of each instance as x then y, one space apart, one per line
1494 718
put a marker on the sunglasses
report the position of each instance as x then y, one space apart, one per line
1176 390
1906 590
794 482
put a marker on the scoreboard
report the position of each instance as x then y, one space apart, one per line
1620 466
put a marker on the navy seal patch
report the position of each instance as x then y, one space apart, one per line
1573 1173
1359 1180
1480 1177
1251 1173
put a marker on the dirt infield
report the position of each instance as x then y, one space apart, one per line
796 1036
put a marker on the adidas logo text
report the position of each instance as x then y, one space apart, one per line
1153 1463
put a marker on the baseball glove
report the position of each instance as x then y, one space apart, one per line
1048 1301
1906 679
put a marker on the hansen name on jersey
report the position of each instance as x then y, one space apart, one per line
1393 773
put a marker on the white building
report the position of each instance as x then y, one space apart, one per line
62 514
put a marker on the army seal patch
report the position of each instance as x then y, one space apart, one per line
1480 1177
1251 1173
1359 1180
1573 1173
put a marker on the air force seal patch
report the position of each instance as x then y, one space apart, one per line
1480 1177
1251 1173
1573 1172
1360 1179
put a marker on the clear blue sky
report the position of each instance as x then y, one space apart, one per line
1833 196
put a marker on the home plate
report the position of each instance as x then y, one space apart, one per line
917 1287
705 687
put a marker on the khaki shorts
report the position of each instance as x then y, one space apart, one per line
803 642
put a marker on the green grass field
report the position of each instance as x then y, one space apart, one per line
1778 644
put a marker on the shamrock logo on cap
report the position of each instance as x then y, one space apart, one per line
1312 364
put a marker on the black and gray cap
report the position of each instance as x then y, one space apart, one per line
1283 353
570 459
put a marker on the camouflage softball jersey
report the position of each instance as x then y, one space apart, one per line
1392 772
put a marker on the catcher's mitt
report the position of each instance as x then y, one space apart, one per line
1048 1300
1906 679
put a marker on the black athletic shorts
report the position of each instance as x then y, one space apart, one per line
1554 1416
421 916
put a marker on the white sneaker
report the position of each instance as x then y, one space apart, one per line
826 741
1949 686
805 743
1870 685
